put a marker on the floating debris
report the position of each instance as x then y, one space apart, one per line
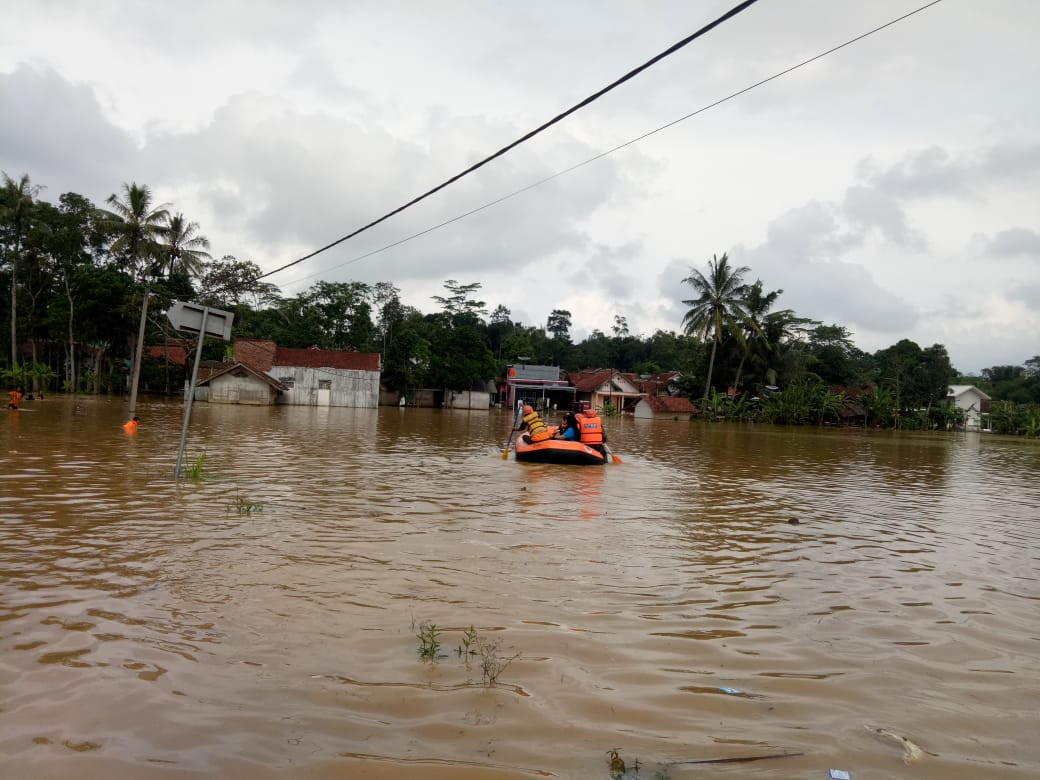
911 751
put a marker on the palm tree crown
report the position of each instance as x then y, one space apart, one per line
757 304
184 250
718 308
137 224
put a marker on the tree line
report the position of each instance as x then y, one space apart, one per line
86 286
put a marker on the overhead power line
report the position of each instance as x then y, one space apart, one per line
527 136
610 151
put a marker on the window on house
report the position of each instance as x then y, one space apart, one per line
288 381
324 384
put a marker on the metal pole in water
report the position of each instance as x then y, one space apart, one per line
191 393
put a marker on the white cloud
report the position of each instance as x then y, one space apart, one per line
1011 242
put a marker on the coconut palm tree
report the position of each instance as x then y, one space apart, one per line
16 202
719 306
184 248
756 306
138 226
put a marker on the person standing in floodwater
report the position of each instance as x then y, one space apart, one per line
14 398
130 426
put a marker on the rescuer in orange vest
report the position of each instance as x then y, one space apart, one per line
591 428
536 428
130 426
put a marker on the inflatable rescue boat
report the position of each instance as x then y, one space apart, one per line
571 453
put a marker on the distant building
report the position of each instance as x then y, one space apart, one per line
538 385
173 351
664 407
602 385
477 398
261 372
238 383
972 401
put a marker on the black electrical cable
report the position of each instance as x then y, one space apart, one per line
620 146
527 136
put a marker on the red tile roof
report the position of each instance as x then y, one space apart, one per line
327 358
589 381
174 352
258 353
666 404
263 355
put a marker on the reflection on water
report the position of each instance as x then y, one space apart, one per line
727 592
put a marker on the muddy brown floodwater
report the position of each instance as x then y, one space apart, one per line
262 621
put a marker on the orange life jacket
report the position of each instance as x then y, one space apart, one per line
130 426
591 428
536 428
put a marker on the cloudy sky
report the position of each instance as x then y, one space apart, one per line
891 187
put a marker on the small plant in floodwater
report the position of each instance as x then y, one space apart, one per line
491 664
245 507
195 469
429 644
618 770
467 648
617 764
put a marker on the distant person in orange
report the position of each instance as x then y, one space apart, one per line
130 426
14 398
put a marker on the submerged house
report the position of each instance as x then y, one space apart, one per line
606 385
664 407
238 383
541 386
972 401
261 372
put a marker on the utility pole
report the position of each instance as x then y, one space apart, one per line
139 353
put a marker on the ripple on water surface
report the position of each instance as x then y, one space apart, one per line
725 592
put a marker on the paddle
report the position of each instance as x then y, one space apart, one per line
505 450
614 458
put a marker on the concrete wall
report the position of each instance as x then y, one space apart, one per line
389 398
467 399
358 389
643 411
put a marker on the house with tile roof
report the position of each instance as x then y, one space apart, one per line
600 385
297 377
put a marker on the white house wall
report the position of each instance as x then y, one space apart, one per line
359 389
970 401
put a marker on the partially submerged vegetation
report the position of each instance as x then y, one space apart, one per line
78 276
473 645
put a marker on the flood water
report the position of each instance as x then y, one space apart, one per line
261 621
